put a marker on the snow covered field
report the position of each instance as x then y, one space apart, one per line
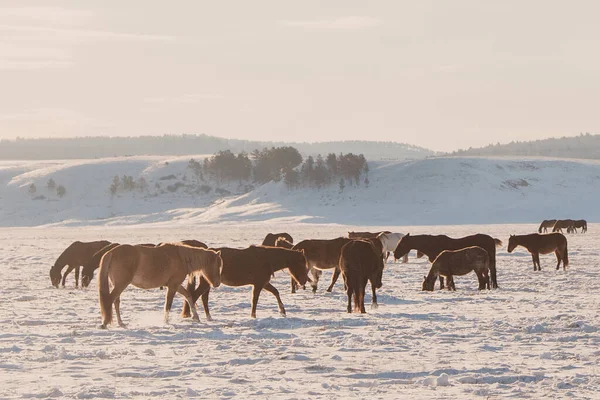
537 336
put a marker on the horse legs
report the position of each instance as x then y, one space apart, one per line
77 276
293 285
534 264
316 274
255 293
205 304
350 290
536 260
190 301
374 300
271 289
117 303
405 259
195 294
171 290
450 282
441 282
362 289
481 280
67 272
559 257
334 278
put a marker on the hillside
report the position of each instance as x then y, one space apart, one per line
583 146
430 191
179 145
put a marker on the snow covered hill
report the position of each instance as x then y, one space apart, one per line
429 191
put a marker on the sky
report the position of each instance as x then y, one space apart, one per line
439 74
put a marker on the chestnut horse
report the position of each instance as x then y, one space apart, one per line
271 238
547 223
433 245
88 269
254 266
76 255
152 267
360 262
459 262
563 224
321 255
538 244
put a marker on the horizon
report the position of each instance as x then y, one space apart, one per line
439 76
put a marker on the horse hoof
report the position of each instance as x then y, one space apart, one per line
329 290
102 326
196 319
209 318
374 306
282 314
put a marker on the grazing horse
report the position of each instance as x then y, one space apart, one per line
563 224
433 245
76 255
390 242
271 238
580 223
546 224
254 266
360 262
544 244
152 267
88 269
459 262
321 255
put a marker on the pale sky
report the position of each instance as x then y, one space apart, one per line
440 74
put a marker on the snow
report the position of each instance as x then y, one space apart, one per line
445 190
536 336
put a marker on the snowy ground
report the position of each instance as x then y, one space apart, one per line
538 335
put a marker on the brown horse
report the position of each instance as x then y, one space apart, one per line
433 245
538 244
76 255
321 255
580 223
283 242
359 263
88 269
152 267
546 224
563 224
271 238
254 266
459 262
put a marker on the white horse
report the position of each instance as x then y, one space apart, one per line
389 241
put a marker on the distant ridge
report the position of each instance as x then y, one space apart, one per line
584 146
176 145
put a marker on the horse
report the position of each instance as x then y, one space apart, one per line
321 255
283 242
544 244
360 262
87 274
563 224
152 267
459 262
271 238
547 223
251 266
77 254
390 242
580 223
433 245
365 235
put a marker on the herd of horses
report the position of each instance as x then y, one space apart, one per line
557 225
359 258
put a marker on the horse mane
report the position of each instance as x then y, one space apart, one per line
195 258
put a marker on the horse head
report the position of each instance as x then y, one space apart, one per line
512 243
55 276
428 284
403 247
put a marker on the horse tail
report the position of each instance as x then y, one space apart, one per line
499 242
566 257
104 289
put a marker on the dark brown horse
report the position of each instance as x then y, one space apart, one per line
283 242
254 266
459 262
271 238
359 263
433 245
76 255
321 255
580 223
546 224
563 224
88 269
365 235
538 244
